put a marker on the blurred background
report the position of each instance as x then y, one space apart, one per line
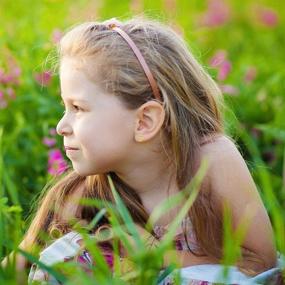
240 43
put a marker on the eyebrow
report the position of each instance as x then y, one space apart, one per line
72 100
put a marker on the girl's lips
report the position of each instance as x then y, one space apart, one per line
70 152
70 148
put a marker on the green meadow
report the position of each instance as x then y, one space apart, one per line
242 47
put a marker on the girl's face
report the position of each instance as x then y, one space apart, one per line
95 123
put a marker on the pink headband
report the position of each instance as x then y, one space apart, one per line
114 24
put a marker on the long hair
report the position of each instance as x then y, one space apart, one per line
191 101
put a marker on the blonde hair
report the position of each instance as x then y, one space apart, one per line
190 98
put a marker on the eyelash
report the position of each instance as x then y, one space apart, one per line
76 107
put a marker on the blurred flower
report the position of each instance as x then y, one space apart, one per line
3 102
52 131
250 74
10 78
2 75
224 70
56 35
43 78
56 162
218 58
11 93
217 14
16 71
256 133
49 141
267 16
221 63
229 89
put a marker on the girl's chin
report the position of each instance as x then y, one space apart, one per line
84 172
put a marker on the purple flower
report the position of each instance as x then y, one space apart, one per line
55 154
56 162
49 141
43 78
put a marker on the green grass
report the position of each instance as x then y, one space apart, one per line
255 118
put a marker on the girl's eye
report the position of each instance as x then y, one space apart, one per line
77 108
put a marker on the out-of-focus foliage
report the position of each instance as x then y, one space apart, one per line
241 44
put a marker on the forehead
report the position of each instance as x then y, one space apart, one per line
74 83
77 86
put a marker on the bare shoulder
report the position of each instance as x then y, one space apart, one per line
223 157
227 169
220 144
230 181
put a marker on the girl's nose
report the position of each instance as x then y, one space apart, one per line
62 128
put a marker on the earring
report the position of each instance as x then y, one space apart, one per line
140 138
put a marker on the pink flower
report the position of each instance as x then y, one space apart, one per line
11 77
2 75
57 168
224 70
221 63
52 132
43 78
229 89
55 154
7 78
218 58
56 162
217 14
3 102
267 16
16 71
11 93
49 141
250 74
56 35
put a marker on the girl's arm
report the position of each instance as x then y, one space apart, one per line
231 182
21 261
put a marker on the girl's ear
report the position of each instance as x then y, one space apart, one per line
149 120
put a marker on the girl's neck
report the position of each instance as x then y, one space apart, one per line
153 199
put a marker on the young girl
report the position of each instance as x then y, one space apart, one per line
140 108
